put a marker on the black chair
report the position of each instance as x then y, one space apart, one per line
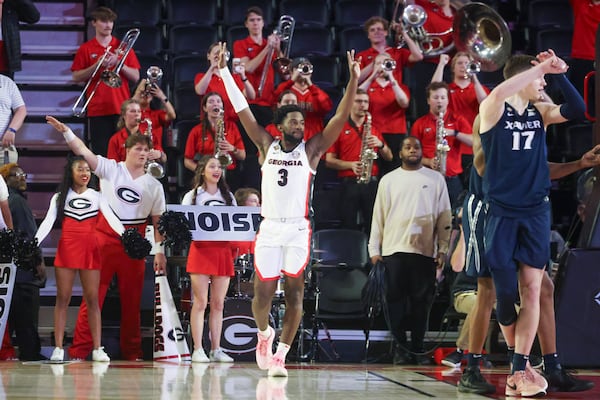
234 11
186 102
543 14
183 69
236 32
311 40
558 40
356 12
326 71
339 274
180 12
138 12
148 43
184 175
314 12
352 38
191 39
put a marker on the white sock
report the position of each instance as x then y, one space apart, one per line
266 333
282 349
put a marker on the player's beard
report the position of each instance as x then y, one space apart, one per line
291 139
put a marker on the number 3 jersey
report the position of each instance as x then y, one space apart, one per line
287 182
517 179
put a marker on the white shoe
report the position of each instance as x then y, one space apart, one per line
99 355
58 354
99 369
199 356
219 355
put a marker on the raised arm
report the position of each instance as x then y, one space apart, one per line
589 160
438 74
321 142
75 144
259 136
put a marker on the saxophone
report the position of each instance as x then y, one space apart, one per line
442 148
223 157
367 154
153 167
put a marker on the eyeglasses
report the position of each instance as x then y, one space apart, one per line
19 175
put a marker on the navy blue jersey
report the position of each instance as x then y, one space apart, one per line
476 184
517 179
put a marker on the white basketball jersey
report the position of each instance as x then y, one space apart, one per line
287 183
132 200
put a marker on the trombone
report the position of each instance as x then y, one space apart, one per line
285 31
109 77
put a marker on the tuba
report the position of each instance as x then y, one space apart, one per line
367 154
154 168
224 158
285 31
108 77
477 29
442 148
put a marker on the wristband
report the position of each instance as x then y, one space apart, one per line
69 135
158 248
13 130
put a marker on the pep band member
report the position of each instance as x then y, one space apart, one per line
76 207
144 198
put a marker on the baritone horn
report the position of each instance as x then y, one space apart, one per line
109 77
285 31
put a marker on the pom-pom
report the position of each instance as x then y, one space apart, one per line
175 227
7 245
136 246
27 254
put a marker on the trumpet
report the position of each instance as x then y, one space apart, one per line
305 68
154 168
109 77
153 76
474 67
388 64
285 31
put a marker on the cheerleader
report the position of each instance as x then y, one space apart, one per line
75 209
209 261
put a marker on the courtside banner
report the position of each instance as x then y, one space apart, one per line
8 274
220 222
169 339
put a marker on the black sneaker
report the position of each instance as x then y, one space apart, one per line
562 381
401 358
453 359
472 381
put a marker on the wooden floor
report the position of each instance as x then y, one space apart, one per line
157 380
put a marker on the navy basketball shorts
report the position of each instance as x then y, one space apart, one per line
473 221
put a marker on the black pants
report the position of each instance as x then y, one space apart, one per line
100 130
357 199
410 293
23 320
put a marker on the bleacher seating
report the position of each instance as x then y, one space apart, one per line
181 12
191 39
138 12
234 11
312 12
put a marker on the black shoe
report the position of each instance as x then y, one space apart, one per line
401 358
453 359
536 361
423 359
472 381
562 381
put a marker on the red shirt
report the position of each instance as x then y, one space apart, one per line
248 48
437 22
116 144
216 85
348 147
195 144
464 102
425 128
313 101
388 116
273 131
399 55
159 120
587 17
107 100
